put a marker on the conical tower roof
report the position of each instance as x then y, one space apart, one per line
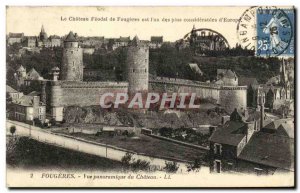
42 29
21 69
135 41
71 37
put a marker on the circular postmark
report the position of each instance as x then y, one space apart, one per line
266 30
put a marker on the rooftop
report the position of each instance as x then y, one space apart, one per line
21 69
71 37
247 81
16 35
231 133
226 73
9 89
270 150
158 39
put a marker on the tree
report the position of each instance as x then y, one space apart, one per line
171 167
12 130
126 159
37 122
194 166
129 163
139 165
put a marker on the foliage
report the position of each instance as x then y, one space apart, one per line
196 165
128 162
38 122
12 129
52 122
171 167
166 131
140 165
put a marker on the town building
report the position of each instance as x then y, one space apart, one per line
156 42
242 145
13 94
25 78
227 77
28 108
15 38
115 43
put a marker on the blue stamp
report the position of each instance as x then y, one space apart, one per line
275 32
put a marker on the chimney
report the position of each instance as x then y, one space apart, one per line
43 93
262 110
35 105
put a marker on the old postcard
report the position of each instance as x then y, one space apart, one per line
150 96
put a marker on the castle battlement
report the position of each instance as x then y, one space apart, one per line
233 88
78 84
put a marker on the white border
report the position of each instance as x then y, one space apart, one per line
109 3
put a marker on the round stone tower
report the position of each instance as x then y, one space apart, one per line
72 64
137 71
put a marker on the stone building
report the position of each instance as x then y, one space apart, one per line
278 90
115 43
26 78
13 94
42 40
15 38
156 42
29 107
227 77
72 59
30 42
137 72
243 145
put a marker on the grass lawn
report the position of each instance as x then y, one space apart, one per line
149 146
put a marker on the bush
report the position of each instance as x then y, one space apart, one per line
140 165
171 167
38 122
129 163
194 166
12 129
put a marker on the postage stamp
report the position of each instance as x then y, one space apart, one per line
267 30
275 32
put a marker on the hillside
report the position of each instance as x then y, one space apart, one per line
153 119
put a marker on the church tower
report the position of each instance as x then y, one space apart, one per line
72 63
43 35
137 66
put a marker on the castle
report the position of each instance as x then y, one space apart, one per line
71 90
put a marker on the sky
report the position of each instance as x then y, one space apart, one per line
56 20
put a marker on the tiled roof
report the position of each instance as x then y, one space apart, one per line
16 35
21 69
158 39
135 41
9 89
123 39
33 75
54 37
231 133
286 130
34 93
71 37
270 150
247 81
25 100
226 73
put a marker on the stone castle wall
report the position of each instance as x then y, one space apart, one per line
232 97
229 97
83 93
